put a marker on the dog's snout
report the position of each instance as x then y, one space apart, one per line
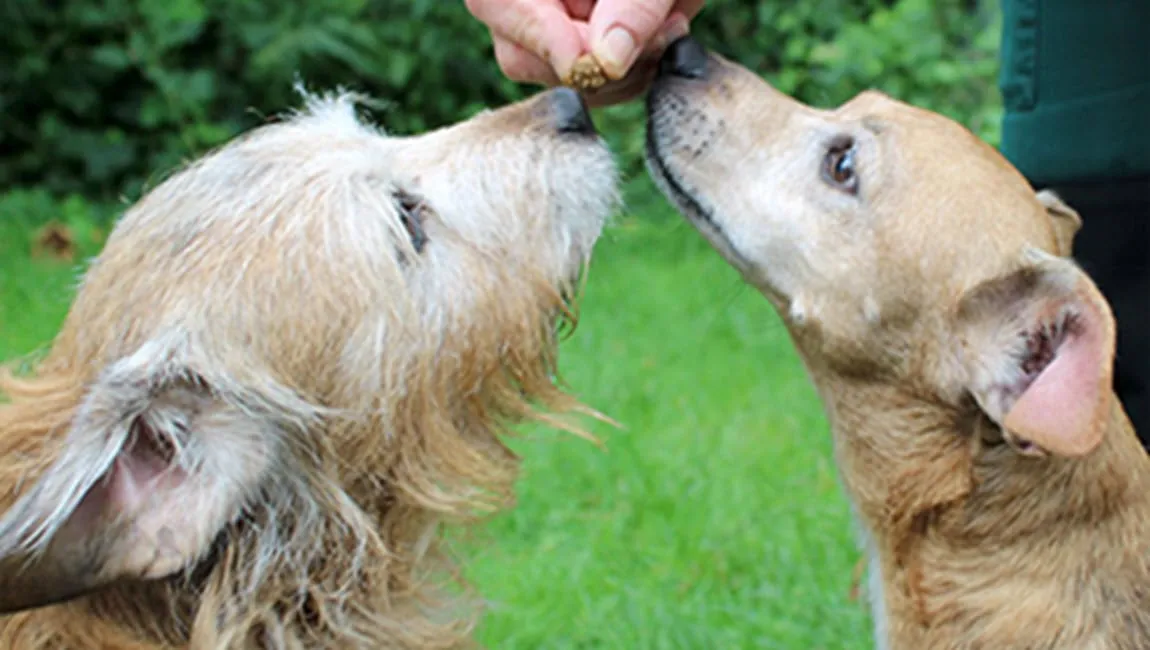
570 112
684 57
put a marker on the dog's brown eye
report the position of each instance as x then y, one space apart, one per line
839 167
411 213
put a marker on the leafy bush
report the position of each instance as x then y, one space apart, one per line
938 54
102 97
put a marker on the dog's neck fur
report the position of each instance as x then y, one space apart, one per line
971 537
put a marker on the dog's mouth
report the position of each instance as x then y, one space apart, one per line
689 203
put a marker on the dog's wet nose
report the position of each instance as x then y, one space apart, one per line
684 57
570 112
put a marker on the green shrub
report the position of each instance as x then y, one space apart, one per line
102 97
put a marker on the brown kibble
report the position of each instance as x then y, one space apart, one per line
586 74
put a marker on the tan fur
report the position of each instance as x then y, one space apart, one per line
329 395
911 304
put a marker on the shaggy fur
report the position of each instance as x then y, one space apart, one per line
964 361
292 362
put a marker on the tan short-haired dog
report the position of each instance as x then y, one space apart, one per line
963 359
292 361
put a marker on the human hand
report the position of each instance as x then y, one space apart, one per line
539 41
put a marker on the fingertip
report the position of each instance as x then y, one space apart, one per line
689 8
565 50
520 65
677 26
621 31
616 51
545 30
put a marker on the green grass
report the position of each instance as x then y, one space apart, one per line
714 520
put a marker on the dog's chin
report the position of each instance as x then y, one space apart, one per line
580 195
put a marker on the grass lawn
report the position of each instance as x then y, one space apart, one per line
714 520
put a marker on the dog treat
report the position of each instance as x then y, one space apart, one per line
586 74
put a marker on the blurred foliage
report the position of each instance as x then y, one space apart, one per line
938 54
100 98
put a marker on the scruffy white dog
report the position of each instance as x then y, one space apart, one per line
292 361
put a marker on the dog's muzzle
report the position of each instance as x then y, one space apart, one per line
570 113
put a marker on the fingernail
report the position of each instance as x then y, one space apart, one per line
616 52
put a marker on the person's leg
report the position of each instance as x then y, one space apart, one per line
1114 248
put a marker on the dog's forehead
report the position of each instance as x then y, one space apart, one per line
948 209
937 159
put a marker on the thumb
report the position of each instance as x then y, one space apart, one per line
621 30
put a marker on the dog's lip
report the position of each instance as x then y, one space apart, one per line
694 209
690 205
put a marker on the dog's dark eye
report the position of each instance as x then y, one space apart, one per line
839 167
412 213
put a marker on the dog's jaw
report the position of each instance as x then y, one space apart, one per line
690 203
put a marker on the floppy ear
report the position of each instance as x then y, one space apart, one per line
1066 221
158 460
1038 349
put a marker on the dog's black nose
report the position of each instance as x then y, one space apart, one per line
684 57
570 112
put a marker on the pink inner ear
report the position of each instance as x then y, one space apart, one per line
1064 409
137 475
145 492
134 477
